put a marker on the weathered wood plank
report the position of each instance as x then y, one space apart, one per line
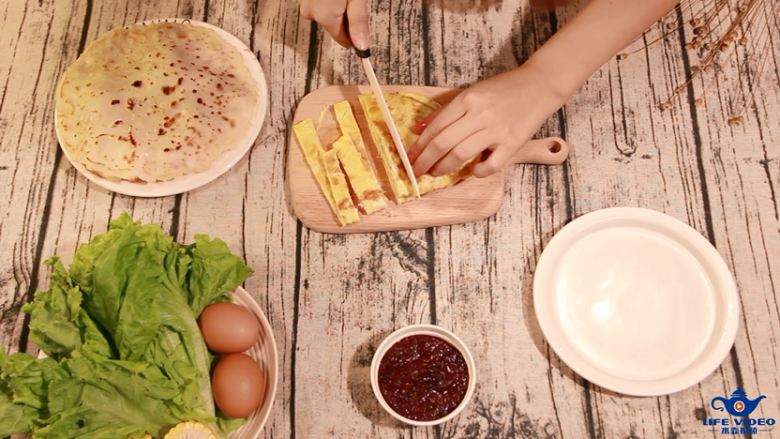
217 208
356 289
628 152
77 203
740 167
37 42
484 270
332 299
80 202
246 206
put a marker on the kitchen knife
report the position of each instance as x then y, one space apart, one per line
364 56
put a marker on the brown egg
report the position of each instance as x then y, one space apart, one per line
237 384
228 328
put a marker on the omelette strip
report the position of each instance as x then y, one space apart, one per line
362 179
407 109
353 155
314 153
391 161
338 185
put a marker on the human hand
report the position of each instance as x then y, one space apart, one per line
498 115
334 15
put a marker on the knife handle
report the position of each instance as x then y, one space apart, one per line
545 151
362 53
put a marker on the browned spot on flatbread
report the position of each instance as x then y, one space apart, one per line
172 120
128 138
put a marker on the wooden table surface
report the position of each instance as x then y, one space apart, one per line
332 298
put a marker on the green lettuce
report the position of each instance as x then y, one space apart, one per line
126 354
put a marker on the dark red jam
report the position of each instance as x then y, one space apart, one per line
423 378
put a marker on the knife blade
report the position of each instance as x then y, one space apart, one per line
364 56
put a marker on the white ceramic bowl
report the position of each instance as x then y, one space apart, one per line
434 331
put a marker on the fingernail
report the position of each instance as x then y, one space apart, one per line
360 40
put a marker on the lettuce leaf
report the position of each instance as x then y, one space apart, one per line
16 418
213 272
127 356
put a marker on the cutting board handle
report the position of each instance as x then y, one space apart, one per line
545 151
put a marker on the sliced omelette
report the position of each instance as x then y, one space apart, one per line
353 155
421 98
322 166
407 109
338 185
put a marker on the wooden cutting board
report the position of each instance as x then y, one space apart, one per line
470 200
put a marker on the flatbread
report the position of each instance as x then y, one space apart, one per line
154 102
407 110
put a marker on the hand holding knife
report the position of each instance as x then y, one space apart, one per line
364 55
338 26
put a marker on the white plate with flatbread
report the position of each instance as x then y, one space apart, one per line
219 164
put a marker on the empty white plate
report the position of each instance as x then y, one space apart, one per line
636 301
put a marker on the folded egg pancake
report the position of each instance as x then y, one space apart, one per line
421 98
353 155
154 102
407 110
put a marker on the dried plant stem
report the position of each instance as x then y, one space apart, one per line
761 45
737 30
